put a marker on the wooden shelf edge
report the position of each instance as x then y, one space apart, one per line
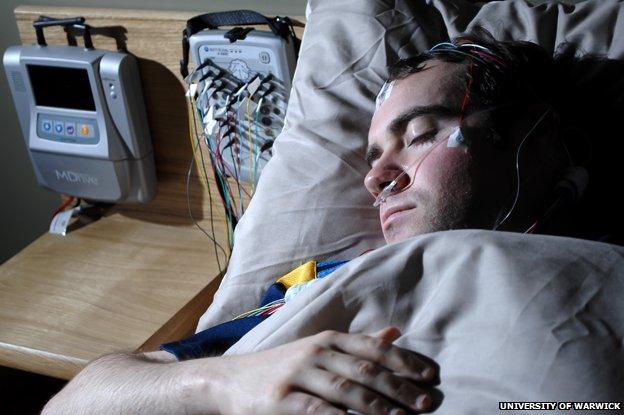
184 322
41 362
105 13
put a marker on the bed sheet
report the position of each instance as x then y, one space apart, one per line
508 317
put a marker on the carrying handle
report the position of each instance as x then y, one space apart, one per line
280 26
76 22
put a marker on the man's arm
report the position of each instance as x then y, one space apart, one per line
151 383
320 374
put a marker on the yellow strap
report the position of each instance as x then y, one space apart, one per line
302 273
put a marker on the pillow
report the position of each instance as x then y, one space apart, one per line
310 201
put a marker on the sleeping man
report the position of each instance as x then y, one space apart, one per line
463 136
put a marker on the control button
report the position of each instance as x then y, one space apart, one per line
70 128
58 127
276 111
46 126
85 130
266 121
264 110
113 95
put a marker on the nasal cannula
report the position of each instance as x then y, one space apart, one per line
455 139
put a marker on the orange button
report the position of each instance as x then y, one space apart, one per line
84 129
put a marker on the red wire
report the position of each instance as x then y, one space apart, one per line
271 310
466 96
222 164
485 55
225 167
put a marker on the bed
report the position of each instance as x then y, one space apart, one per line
508 317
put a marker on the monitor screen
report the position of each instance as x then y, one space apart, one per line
55 86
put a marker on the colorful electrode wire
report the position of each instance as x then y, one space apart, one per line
217 100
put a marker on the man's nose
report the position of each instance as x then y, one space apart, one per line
381 176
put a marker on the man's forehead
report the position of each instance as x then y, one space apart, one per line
435 86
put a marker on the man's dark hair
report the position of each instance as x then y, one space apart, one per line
525 81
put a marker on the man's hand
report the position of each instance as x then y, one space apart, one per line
325 374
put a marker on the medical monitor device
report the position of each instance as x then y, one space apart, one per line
240 84
83 118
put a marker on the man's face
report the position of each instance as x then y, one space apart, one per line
442 187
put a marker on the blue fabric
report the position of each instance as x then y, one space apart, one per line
275 292
213 341
325 268
216 340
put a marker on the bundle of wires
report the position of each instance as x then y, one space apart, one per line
196 146
475 52
265 310
213 135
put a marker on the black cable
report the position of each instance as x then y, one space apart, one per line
188 204
188 198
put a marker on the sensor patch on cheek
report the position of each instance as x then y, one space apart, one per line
384 94
457 139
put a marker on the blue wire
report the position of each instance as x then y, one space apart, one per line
443 45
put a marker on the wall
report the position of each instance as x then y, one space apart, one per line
26 208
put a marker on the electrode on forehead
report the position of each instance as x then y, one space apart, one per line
383 94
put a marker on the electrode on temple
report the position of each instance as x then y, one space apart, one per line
456 139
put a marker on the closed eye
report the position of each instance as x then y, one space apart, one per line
424 138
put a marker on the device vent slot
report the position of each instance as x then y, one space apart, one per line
18 81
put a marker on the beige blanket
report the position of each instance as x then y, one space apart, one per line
508 317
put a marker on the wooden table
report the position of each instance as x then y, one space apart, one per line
143 274
120 283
